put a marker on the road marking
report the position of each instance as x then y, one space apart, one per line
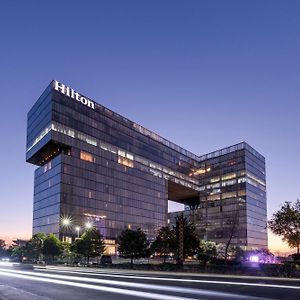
165 288
144 295
180 279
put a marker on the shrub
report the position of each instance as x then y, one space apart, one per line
279 270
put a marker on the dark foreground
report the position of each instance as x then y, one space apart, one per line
87 284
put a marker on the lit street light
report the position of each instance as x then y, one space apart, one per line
77 228
88 225
66 222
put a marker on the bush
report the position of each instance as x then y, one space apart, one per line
296 257
279 270
288 269
218 261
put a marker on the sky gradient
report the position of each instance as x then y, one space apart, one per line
203 74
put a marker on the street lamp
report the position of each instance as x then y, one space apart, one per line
77 228
88 225
66 222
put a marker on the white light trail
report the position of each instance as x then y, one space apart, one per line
144 295
180 279
7 264
165 288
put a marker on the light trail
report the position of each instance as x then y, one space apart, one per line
165 273
144 295
178 279
165 288
8 264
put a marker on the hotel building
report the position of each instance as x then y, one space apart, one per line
97 167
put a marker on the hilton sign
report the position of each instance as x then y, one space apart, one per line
60 87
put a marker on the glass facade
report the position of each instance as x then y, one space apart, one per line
96 166
232 198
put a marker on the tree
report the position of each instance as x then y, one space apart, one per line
207 251
29 252
286 223
165 242
32 250
237 253
17 253
89 245
232 223
190 237
2 248
234 252
37 242
133 244
65 254
51 247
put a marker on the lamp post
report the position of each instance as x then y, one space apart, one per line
77 228
66 222
88 225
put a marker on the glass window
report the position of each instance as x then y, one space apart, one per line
87 156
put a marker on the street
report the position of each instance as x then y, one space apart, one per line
84 283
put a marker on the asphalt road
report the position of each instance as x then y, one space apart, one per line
88 284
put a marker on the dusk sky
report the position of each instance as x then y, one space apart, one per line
203 74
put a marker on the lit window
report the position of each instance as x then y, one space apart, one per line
229 195
122 153
253 177
213 197
129 156
87 156
242 193
242 179
47 166
229 176
215 179
126 162
228 182
156 173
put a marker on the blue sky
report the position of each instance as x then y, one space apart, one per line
204 74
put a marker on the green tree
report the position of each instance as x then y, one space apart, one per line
286 223
18 253
89 245
66 252
165 242
237 253
51 247
37 242
133 244
2 248
207 251
29 251
32 249
190 237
